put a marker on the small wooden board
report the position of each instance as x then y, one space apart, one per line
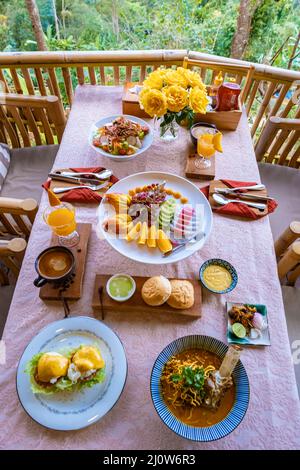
191 171
218 184
64 184
136 303
49 292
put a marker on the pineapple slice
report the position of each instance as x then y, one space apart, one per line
134 232
143 234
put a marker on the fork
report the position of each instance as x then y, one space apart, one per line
92 187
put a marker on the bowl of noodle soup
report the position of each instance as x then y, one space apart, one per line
180 395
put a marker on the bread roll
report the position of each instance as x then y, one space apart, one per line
182 295
156 290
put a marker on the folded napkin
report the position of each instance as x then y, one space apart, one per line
237 209
86 195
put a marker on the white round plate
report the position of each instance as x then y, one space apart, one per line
142 253
66 411
146 143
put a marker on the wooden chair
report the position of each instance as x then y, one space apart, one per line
279 142
16 219
11 255
234 70
287 250
17 216
31 119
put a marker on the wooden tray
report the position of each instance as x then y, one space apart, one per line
191 171
224 120
136 303
130 102
49 292
64 184
218 184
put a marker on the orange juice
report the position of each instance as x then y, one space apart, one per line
205 145
62 221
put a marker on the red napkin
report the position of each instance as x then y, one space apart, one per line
86 195
236 209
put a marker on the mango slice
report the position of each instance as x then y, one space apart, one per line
163 242
151 240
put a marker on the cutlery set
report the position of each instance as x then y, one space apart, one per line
244 198
99 181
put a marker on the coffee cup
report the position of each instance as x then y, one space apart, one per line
54 265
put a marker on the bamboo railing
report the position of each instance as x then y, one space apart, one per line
58 73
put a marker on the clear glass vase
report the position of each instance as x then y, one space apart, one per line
168 132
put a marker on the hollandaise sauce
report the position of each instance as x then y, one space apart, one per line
217 277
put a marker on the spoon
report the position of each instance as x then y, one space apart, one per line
223 201
102 175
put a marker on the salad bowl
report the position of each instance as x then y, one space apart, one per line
146 142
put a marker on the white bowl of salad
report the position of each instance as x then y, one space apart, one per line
121 137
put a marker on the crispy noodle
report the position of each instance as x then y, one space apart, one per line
179 395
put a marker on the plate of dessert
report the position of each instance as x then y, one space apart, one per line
155 217
121 138
71 373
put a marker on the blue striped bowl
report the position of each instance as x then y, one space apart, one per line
242 394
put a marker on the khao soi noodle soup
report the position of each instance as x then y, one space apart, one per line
193 389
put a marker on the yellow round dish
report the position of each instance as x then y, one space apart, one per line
217 277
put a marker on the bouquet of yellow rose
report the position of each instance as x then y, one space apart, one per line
174 96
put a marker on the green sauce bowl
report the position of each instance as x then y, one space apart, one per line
120 287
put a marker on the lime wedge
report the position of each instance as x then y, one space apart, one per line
239 330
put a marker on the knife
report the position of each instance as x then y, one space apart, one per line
73 179
200 235
243 195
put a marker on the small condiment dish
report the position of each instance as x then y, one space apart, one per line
224 264
130 292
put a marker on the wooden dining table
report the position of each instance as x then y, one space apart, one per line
273 417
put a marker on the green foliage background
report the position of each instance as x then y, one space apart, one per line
203 25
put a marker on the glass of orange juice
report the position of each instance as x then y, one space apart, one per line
61 219
205 146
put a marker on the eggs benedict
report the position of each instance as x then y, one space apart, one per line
52 372
51 367
85 364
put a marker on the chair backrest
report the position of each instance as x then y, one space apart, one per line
287 250
280 142
17 216
11 254
27 120
233 70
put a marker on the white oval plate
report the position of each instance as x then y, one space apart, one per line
146 143
143 254
66 411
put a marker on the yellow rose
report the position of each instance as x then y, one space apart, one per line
153 101
193 78
198 100
177 97
173 77
155 79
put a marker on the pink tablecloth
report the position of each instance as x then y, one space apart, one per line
273 417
